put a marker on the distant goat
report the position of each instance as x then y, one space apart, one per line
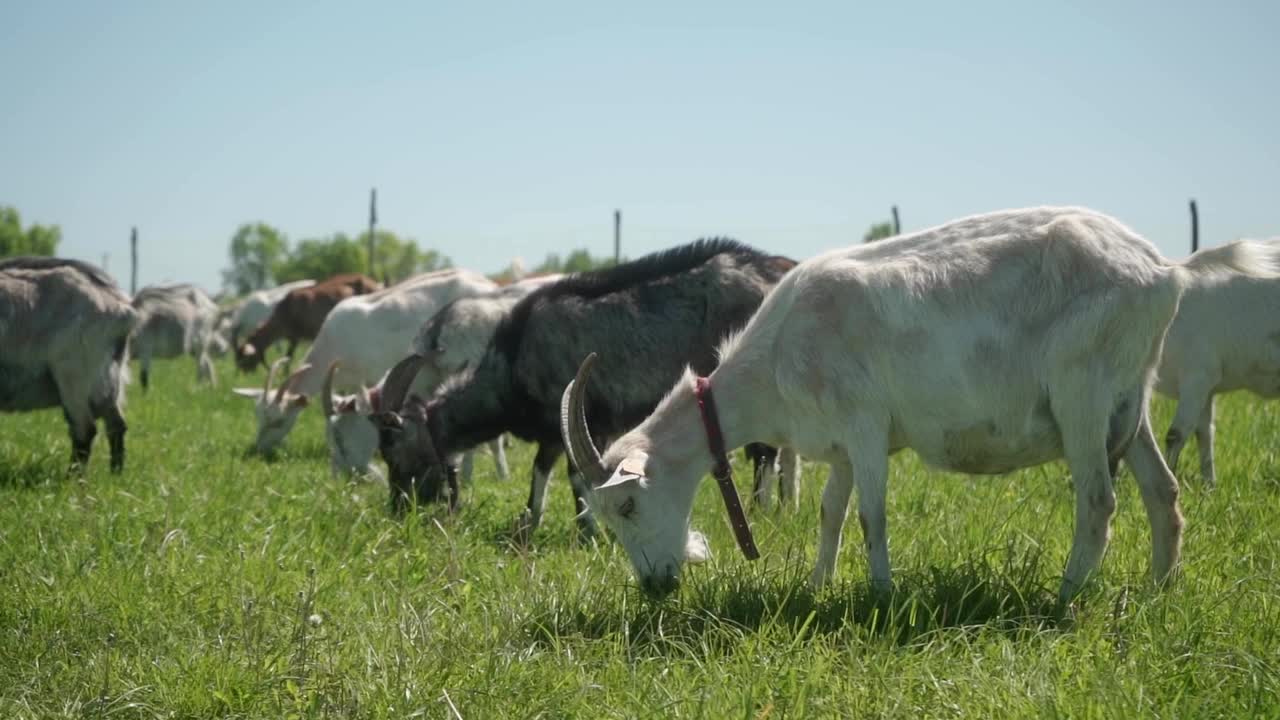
1226 336
988 344
456 337
64 339
175 320
366 334
244 316
651 317
299 315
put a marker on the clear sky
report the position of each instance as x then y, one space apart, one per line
494 130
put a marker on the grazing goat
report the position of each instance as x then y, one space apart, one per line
299 315
651 317
1226 336
988 344
175 320
454 338
247 314
64 341
366 334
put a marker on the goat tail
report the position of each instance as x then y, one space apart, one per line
1244 257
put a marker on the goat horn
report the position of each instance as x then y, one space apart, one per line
326 392
398 381
292 380
573 428
271 376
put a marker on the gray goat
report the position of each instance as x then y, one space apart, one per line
64 341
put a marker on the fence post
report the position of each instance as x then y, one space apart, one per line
617 236
373 222
897 226
1195 227
133 262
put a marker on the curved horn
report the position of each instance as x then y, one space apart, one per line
291 381
573 427
326 392
271 376
396 386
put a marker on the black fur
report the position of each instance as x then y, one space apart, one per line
648 320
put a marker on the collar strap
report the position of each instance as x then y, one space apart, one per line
721 470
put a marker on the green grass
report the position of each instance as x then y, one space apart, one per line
206 582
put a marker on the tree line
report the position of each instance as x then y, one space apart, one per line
33 240
262 256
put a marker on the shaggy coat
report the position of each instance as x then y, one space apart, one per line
64 339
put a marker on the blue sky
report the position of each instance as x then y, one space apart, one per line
496 130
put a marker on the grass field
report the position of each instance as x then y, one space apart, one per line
205 582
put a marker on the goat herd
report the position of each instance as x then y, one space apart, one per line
988 344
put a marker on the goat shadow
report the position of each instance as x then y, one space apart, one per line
718 609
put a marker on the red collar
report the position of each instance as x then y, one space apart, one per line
721 470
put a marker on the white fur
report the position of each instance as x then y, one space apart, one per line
257 306
988 344
366 335
1225 337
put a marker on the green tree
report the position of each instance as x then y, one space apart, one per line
879 231
319 258
35 240
579 260
400 258
257 251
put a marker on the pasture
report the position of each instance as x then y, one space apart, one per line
207 582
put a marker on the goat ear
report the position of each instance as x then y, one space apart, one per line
253 393
696 548
629 470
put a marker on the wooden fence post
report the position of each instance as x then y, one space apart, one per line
1195 227
617 236
133 262
373 223
897 226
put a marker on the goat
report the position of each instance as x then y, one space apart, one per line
299 316
366 334
242 317
64 330
988 344
653 316
175 320
452 339
1226 336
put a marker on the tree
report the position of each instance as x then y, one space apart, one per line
879 231
35 240
320 258
579 260
257 251
400 258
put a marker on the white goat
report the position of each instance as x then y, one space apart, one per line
1226 336
456 336
988 344
256 307
366 334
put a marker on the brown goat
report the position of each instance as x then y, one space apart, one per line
299 316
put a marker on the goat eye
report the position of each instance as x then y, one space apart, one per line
627 508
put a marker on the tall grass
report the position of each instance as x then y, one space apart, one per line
209 582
